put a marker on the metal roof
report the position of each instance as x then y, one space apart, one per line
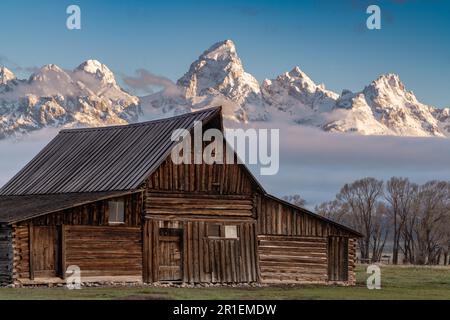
19 208
102 159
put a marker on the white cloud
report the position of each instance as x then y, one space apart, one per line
316 164
313 163
16 153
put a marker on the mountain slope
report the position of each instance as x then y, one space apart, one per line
384 107
87 96
90 96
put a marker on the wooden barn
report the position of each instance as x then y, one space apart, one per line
111 201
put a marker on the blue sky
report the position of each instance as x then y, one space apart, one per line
327 39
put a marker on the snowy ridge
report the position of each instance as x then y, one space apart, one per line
90 96
384 107
86 96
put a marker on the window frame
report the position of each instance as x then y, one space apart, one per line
120 204
222 231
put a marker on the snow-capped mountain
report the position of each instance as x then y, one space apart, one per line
90 96
384 107
86 96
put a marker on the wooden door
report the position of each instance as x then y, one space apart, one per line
170 254
337 259
46 251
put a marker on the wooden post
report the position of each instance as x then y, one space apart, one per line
63 251
30 250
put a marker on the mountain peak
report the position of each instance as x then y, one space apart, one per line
222 50
218 68
6 75
389 80
297 72
50 73
51 67
98 69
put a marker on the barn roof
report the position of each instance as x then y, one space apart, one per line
102 159
19 208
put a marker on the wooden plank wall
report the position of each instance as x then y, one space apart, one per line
276 218
94 214
337 259
86 216
104 251
6 255
158 203
206 259
215 178
292 259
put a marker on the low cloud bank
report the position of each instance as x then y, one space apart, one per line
313 163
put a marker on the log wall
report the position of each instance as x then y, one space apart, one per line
6 255
292 259
277 219
184 204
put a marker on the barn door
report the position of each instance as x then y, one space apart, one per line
46 251
337 259
170 254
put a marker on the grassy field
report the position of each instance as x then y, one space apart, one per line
397 283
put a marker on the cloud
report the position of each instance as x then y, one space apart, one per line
5 61
145 81
15 153
313 163
316 164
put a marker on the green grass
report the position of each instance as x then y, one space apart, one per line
397 283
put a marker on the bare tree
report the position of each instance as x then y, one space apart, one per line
361 199
431 206
295 199
380 231
332 210
418 215
399 195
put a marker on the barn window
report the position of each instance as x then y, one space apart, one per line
231 232
116 212
214 230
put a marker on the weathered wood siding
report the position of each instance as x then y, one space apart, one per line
104 251
201 178
88 239
6 255
204 258
292 259
191 198
158 203
338 258
276 218
94 214
351 261
22 252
